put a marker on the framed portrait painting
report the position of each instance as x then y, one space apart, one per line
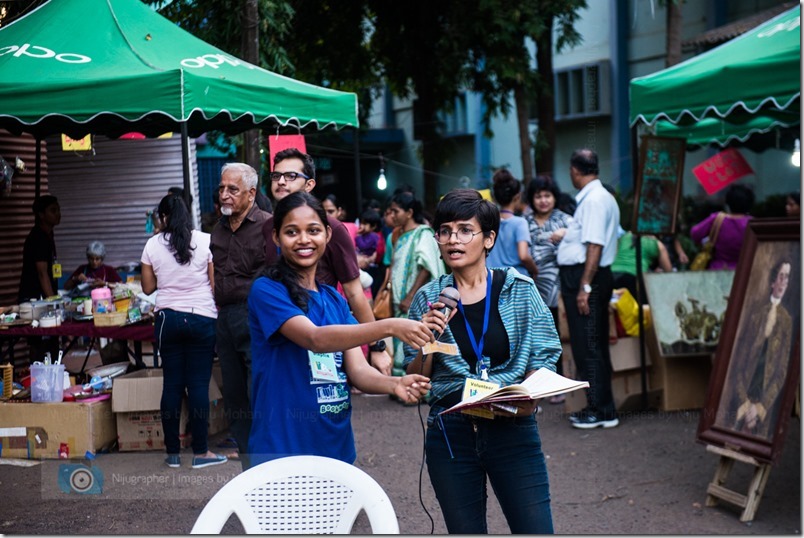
658 186
756 371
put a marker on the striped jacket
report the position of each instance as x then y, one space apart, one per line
531 333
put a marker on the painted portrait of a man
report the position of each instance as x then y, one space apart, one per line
758 369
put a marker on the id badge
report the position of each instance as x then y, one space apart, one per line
475 387
56 270
322 366
440 347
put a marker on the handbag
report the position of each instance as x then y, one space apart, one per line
382 304
383 308
704 257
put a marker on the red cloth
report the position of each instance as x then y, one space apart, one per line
139 331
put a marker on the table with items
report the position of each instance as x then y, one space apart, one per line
136 333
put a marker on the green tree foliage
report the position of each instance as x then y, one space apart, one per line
502 65
218 22
423 50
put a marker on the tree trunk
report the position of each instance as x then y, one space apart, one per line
429 149
525 147
546 137
674 20
250 45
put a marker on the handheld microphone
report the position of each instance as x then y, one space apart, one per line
450 297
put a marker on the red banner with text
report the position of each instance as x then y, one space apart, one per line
717 172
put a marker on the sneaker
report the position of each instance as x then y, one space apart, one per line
589 420
200 463
173 461
577 415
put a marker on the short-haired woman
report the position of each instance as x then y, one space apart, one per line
504 333
94 271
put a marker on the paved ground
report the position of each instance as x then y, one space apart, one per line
648 476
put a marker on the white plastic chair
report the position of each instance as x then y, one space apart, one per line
299 495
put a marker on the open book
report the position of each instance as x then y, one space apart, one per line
541 384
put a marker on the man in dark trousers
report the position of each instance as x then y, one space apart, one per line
238 254
584 258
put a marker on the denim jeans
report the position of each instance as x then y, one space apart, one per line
506 450
187 344
234 353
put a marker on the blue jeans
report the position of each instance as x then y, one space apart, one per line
506 450
187 345
234 353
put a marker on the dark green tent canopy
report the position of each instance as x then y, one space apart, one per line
114 66
751 84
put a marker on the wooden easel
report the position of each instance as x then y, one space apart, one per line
716 491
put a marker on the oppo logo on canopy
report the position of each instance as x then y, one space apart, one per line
213 61
35 51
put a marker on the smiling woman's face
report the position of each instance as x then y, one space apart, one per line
302 238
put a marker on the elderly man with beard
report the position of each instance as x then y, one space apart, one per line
238 254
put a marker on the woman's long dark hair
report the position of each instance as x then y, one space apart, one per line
280 270
178 228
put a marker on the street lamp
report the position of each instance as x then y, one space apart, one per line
796 157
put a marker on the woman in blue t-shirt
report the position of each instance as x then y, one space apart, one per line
305 347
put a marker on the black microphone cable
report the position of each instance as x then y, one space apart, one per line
450 297
421 467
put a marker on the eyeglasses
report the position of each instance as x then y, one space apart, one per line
464 235
289 176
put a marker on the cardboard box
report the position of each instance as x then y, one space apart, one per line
626 378
37 430
136 399
683 380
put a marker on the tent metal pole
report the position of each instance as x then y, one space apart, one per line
643 368
185 163
38 180
358 185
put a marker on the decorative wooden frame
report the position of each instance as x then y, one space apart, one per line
727 415
657 193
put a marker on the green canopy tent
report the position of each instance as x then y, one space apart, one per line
115 66
749 85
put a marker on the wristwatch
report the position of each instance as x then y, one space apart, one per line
379 346
587 288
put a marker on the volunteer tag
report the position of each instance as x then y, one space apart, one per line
56 270
322 366
474 387
440 347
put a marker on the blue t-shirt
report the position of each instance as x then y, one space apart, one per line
294 414
506 251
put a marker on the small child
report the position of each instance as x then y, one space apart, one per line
367 238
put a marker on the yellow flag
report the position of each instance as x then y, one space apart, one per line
70 144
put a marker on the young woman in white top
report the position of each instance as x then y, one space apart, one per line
177 262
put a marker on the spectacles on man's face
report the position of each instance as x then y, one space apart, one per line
289 176
463 235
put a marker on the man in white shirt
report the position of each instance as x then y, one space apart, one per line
584 258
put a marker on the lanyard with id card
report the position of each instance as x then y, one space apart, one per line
473 387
